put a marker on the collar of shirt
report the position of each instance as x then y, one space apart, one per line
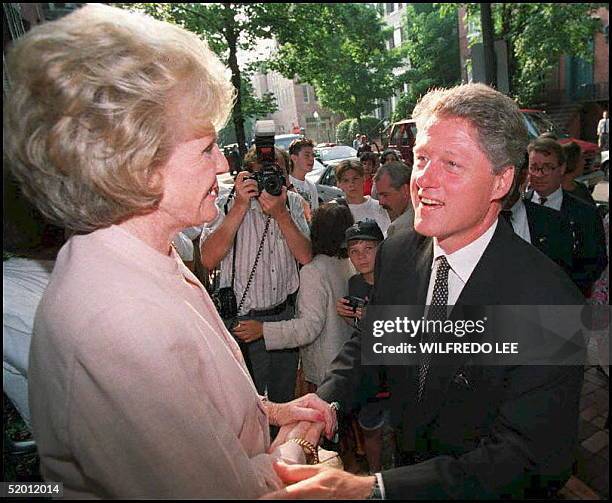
520 223
553 201
463 261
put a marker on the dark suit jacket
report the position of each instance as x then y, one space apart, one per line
550 234
589 253
487 432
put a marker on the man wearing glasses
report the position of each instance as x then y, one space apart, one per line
546 170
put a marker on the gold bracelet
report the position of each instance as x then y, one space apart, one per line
311 452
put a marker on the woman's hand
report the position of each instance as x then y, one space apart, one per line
306 408
305 430
249 330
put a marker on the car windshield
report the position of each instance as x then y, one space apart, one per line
538 124
339 152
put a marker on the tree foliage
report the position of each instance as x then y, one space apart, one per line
432 48
348 128
227 28
538 34
340 49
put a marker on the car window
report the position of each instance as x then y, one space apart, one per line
329 178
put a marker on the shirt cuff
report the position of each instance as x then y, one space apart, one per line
381 485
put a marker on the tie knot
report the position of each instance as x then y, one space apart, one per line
442 265
543 200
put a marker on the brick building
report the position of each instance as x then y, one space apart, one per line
576 92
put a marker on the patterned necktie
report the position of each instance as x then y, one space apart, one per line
437 311
543 200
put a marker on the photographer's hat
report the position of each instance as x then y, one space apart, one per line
366 230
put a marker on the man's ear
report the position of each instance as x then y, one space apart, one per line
563 166
503 183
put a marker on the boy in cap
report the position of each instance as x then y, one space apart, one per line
362 240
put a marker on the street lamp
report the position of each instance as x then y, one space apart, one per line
315 114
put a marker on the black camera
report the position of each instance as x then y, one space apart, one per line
270 180
270 177
355 302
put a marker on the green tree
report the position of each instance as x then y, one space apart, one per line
537 35
340 50
227 28
432 48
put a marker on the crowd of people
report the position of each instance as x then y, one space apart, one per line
144 383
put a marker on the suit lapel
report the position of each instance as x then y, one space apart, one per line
478 291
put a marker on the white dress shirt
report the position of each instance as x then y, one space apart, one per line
553 201
520 224
462 263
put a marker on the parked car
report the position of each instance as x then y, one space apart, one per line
538 122
336 152
284 140
324 177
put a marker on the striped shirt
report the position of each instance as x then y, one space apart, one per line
276 275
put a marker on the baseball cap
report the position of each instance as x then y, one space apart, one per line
367 230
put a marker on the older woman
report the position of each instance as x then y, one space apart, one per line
136 388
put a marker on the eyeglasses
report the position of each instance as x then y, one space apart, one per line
545 169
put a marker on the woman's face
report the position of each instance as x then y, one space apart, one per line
190 181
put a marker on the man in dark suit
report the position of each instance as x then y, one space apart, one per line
546 170
466 430
539 225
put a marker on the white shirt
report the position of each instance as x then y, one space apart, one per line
553 201
307 190
603 126
276 275
520 224
24 281
462 264
372 210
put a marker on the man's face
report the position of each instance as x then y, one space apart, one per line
395 201
362 254
304 160
545 172
455 194
352 185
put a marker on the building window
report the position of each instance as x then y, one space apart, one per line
397 37
306 97
389 7
392 41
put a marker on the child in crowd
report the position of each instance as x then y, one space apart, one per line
362 241
349 178
370 162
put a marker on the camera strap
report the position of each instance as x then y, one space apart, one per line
257 257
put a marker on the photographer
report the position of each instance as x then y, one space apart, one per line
252 221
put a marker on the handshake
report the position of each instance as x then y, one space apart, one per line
307 419
304 421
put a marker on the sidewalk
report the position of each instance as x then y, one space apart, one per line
593 456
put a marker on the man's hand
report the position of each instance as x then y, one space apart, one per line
306 408
319 482
275 206
245 189
249 330
343 309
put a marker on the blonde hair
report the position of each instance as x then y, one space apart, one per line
500 127
96 105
